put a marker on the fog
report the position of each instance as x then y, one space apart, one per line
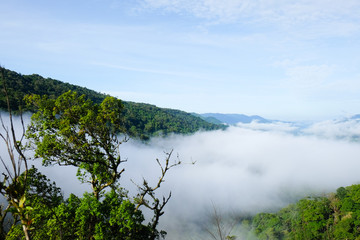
242 170
245 169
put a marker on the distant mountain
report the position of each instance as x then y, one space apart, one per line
140 119
232 119
208 119
356 117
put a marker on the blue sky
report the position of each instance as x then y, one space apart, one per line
289 60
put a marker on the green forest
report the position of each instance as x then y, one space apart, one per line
72 130
139 119
334 216
74 126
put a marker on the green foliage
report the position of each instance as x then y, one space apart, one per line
140 120
113 217
148 120
268 226
21 85
71 130
40 196
336 216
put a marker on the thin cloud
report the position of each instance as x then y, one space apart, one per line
320 16
311 76
134 69
279 127
336 129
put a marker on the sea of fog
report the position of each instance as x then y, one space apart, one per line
242 170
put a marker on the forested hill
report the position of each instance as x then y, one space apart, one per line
335 216
142 120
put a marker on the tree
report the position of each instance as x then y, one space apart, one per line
41 197
72 130
221 228
146 191
14 184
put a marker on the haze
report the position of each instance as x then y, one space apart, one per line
245 169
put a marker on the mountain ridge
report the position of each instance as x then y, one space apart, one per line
140 119
234 118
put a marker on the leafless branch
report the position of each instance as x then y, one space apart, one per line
220 228
147 191
13 189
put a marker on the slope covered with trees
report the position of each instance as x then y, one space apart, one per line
151 120
143 120
71 130
335 216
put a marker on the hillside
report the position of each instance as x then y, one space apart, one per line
335 216
208 119
234 118
141 120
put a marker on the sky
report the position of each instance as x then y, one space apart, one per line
288 60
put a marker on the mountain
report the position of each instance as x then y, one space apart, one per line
330 216
208 119
232 119
355 117
141 120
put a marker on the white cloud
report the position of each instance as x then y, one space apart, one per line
243 170
325 17
270 10
274 126
335 129
309 77
238 170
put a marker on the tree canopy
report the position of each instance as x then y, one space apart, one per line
335 216
140 119
72 130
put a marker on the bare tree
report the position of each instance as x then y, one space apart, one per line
14 182
220 228
147 197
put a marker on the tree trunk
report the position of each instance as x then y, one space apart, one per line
27 236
